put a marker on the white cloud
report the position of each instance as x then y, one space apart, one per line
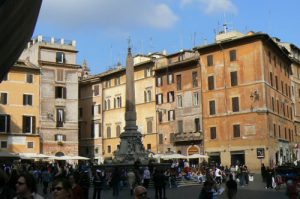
107 14
213 6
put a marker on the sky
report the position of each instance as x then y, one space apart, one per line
102 28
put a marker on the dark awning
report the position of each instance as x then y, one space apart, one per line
17 22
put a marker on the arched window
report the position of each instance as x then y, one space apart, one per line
108 132
149 95
118 130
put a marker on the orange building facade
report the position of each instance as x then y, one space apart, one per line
247 106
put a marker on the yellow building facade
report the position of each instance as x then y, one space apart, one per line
20 109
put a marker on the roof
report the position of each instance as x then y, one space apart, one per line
25 64
255 36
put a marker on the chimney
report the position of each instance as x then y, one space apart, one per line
62 41
52 40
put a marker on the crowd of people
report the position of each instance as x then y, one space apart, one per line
77 181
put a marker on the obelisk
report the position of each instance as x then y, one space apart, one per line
131 148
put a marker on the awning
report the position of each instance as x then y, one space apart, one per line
67 157
29 156
196 155
7 154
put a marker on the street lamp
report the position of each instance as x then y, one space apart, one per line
254 95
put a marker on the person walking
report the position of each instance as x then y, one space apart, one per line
97 182
115 182
231 187
263 172
159 184
146 177
131 180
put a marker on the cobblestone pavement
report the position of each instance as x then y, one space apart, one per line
255 190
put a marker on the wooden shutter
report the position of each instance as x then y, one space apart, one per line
33 125
8 123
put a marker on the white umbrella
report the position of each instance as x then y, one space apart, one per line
197 155
173 156
80 158
32 156
67 157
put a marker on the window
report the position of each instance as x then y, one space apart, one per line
148 146
60 117
273 104
148 72
276 82
170 79
60 57
279 131
28 124
3 144
149 126
147 96
178 82
96 130
195 79
180 126
159 98
195 98
211 83
117 81
107 84
108 149
4 123
118 130
100 130
96 90
171 115
234 78
27 100
160 139
96 109
236 130
60 92
171 96
30 145
210 60
197 125
212 107
107 104
232 55
179 101
271 78
3 97
213 133
159 81
108 132
160 116
235 104
118 102
29 78
59 75
274 130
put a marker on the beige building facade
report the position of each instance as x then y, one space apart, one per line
59 93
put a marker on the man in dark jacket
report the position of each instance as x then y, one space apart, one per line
231 186
159 184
